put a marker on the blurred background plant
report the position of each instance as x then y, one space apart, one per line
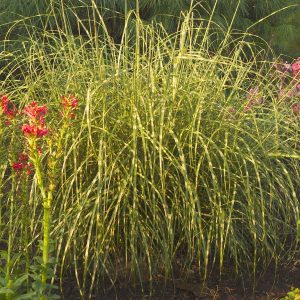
275 21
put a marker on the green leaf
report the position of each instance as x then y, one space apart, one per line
28 296
19 281
5 290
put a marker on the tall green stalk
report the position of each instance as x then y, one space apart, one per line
25 222
10 239
46 212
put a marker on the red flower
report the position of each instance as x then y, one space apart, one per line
35 113
40 132
69 106
22 164
28 129
33 130
8 109
17 166
36 126
23 157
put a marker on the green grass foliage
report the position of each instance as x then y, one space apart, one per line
165 167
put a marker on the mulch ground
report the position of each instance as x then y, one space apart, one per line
272 285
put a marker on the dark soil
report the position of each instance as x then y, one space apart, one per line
272 285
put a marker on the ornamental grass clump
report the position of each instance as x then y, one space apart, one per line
180 159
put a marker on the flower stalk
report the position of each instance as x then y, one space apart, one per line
36 135
34 131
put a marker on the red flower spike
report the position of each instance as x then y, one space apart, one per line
35 113
28 129
36 126
23 157
40 132
69 106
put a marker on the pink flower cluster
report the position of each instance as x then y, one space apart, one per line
36 117
22 164
289 85
285 68
287 76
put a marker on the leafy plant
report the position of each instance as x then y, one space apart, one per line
294 294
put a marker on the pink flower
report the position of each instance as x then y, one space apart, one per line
254 98
287 67
282 67
296 108
231 110
247 107
286 94
296 67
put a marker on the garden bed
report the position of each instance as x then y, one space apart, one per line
272 285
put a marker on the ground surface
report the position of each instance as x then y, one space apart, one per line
269 286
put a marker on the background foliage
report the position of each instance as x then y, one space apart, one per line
280 30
